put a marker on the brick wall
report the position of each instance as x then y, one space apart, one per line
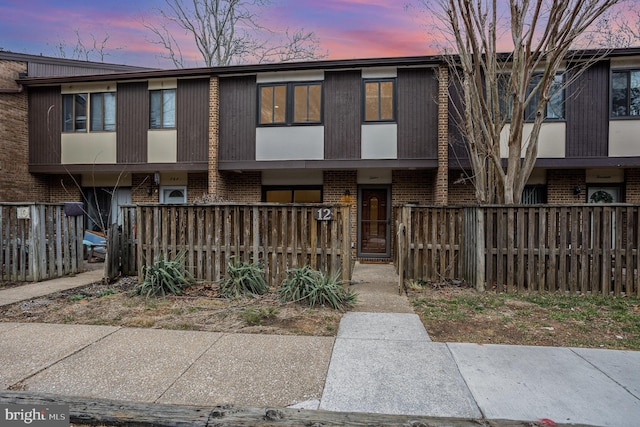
63 188
632 186
413 186
17 184
561 184
242 187
442 178
216 184
335 186
197 186
140 185
461 189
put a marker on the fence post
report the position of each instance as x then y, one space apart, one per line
480 252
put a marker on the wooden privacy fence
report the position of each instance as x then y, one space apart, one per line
279 236
40 241
578 248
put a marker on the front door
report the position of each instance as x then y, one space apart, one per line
374 222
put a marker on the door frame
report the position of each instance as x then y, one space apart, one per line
359 253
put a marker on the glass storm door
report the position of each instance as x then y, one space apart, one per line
374 222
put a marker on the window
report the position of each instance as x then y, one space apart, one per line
625 93
162 109
379 100
103 111
291 103
173 194
74 112
534 195
554 109
292 194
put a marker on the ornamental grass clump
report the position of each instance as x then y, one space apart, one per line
311 287
165 277
243 279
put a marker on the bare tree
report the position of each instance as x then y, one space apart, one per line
85 49
226 32
618 27
501 91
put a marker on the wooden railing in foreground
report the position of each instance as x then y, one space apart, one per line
578 248
279 236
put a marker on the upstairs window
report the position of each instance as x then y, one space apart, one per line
103 111
162 109
555 106
379 100
625 93
74 112
290 104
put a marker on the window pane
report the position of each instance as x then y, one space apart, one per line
279 196
96 111
80 112
67 113
300 103
386 101
266 104
109 111
307 196
155 106
315 102
634 94
555 107
372 111
619 98
169 109
280 104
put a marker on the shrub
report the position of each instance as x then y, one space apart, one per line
243 279
165 277
308 286
256 316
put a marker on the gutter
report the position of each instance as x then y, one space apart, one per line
19 89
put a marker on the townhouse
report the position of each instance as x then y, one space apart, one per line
374 133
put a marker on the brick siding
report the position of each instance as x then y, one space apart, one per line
561 184
14 141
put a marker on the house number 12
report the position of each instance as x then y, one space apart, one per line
324 214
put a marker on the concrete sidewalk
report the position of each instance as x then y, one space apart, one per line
381 363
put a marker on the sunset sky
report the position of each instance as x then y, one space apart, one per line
345 28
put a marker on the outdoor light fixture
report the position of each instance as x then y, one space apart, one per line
577 190
347 192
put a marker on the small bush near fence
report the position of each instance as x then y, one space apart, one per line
311 287
243 279
165 277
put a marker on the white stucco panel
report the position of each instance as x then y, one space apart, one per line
380 141
88 148
290 143
624 138
551 143
162 146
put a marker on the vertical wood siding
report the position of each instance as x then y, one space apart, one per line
238 109
132 115
45 125
192 109
342 115
417 114
458 151
587 113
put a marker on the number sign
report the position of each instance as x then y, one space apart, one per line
324 214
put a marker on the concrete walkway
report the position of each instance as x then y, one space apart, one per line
378 363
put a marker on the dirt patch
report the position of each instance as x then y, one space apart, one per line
199 308
460 314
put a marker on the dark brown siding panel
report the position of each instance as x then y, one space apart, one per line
417 114
45 125
458 151
342 115
192 108
587 113
132 122
238 109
